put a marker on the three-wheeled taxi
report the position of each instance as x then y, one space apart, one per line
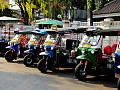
17 45
60 49
116 51
93 57
31 55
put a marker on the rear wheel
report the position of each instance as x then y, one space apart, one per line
42 65
9 56
28 60
81 71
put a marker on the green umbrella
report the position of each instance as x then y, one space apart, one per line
56 22
4 18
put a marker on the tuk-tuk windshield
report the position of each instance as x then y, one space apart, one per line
15 38
88 41
51 39
94 40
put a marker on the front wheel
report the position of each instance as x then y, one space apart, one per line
42 65
81 71
9 56
28 60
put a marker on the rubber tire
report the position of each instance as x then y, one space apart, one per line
25 61
77 72
118 84
41 65
7 56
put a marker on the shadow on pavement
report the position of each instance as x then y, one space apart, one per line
106 81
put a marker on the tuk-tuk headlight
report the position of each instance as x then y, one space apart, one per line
92 51
14 43
83 51
52 48
9 43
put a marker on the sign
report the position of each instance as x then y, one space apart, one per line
23 27
54 27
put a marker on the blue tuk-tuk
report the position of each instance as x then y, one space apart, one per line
35 46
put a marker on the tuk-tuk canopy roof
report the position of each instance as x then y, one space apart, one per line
36 31
108 32
71 30
92 31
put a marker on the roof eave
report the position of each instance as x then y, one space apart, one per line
106 15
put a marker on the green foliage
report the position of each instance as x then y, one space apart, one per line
100 3
48 7
3 5
89 4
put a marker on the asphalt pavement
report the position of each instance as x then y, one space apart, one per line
15 76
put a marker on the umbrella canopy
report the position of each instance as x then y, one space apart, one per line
56 22
4 18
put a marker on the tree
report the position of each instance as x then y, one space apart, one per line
100 3
28 7
3 4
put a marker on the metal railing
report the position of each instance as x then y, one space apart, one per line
102 24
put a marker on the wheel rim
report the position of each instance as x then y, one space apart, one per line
10 56
82 72
29 60
44 64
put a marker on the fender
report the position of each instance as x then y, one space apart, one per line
28 51
15 47
44 54
10 47
83 57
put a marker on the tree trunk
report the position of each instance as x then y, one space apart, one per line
24 14
89 12
89 17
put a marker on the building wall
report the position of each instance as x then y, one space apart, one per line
80 15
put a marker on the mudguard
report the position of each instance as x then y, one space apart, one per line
83 57
10 47
28 51
44 54
50 54
117 63
15 47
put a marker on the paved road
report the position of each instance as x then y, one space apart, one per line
15 76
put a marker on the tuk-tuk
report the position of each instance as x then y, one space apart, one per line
116 50
93 58
59 50
31 55
116 55
17 45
